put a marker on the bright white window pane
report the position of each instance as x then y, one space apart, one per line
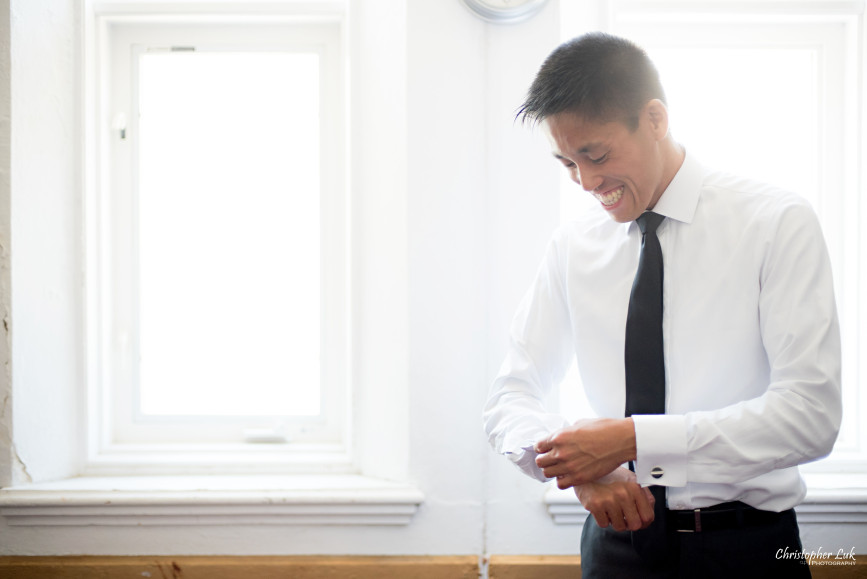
736 108
229 236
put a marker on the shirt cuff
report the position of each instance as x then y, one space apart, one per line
660 441
525 459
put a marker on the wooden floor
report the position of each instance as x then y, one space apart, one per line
459 567
238 567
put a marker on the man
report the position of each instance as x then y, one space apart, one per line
701 310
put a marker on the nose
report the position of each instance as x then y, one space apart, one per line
588 177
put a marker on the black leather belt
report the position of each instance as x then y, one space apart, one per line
718 517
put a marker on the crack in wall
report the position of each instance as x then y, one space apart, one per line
19 468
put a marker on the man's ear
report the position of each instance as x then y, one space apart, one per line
656 113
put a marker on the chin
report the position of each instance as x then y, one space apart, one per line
623 216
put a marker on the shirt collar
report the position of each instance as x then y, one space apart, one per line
680 199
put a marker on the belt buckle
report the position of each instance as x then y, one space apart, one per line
697 529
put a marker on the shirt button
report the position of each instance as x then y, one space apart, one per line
657 472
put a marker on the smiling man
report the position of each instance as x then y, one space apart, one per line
700 307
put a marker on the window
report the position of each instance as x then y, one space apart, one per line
346 476
217 261
772 92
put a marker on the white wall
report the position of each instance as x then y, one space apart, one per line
47 355
378 201
523 211
446 203
6 453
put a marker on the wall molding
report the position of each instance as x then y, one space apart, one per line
831 499
211 500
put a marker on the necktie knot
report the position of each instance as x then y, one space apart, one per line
649 221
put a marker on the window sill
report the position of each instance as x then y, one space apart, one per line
831 498
180 460
211 500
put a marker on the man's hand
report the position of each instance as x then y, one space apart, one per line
587 450
617 500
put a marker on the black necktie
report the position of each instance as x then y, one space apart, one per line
645 365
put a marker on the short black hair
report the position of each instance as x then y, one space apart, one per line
598 76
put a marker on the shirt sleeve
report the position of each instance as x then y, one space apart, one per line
797 419
540 351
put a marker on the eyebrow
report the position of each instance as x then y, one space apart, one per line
587 148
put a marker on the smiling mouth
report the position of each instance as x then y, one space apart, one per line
611 197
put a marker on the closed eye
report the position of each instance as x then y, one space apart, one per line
599 160
566 162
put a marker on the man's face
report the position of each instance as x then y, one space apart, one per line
622 169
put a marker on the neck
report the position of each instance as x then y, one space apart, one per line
673 155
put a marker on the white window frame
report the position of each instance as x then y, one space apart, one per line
118 443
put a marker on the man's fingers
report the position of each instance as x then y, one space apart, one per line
621 504
617 523
632 516
602 519
565 476
543 446
545 460
558 471
649 496
646 502
564 482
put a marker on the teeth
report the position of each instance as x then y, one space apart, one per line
611 197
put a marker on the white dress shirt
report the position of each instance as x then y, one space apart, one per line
752 346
